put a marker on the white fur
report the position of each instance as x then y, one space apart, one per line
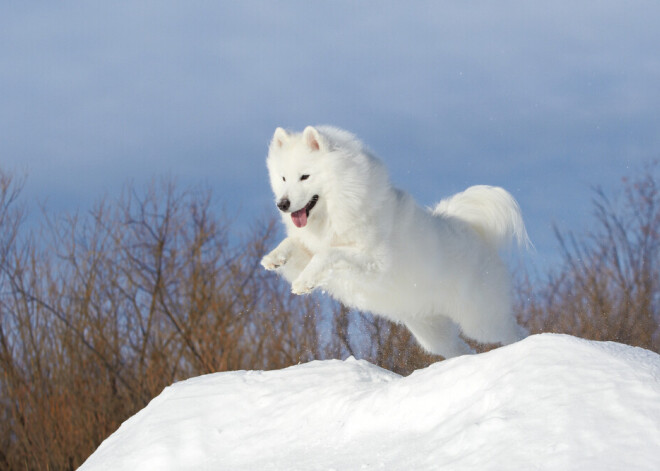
374 249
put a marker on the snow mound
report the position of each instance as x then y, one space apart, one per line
547 402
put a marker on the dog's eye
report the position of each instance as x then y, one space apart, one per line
283 179
304 177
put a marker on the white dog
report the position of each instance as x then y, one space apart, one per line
373 248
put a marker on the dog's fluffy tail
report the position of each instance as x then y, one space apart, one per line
491 211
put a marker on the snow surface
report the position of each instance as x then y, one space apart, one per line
547 402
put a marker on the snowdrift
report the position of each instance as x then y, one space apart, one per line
547 402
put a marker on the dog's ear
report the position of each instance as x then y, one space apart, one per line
279 138
313 139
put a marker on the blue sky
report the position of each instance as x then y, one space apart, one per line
545 99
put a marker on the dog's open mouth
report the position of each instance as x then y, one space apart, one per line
299 217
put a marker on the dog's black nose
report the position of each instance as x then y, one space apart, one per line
284 204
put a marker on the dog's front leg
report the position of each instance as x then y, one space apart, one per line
289 259
332 263
279 255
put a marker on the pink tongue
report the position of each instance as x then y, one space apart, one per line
299 218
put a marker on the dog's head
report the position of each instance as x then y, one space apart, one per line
294 166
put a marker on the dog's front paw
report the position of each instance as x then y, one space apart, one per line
302 286
273 261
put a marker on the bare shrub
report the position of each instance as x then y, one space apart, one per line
608 287
107 309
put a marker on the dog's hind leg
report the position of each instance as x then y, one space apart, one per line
438 335
487 318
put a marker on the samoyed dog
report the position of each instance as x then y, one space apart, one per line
352 234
